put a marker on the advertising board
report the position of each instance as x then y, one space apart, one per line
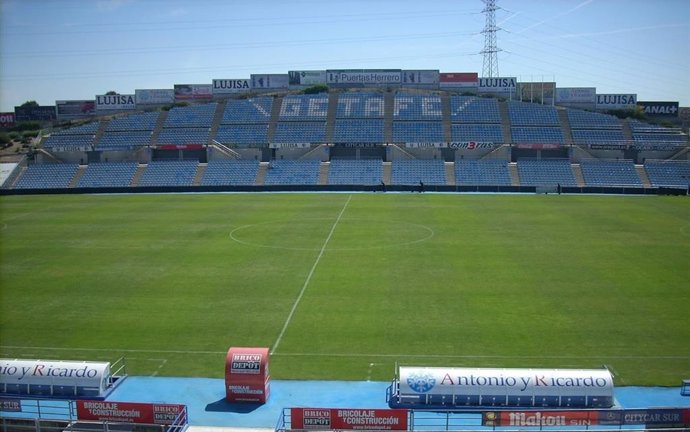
154 96
35 113
450 381
120 102
193 92
71 109
128 412
7 119
247 378
363 77
659 109
20 373
348 419
10 405
269 81
540 418
306 78
576 95
229 86
498 85
420 77
466 80
615 101
683 113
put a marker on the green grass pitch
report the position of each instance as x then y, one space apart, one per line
343 286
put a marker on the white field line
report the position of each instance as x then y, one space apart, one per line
356 355
311 273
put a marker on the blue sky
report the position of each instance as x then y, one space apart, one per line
75 49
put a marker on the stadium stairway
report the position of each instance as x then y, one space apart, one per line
565 126
514 175
137 175
450 173
159 127
261 174
505 122
200 170
275 115
217 118
388 102
447 125
99 133
387 172
77 176
577 172
627 131
642 173
331 116
323 173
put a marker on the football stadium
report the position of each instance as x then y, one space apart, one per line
340 249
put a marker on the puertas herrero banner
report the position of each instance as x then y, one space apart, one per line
348 419
363 77
154 96
129 412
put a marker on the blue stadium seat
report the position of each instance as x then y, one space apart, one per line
304 108
182 136
542 135
47 176
477 132
108 174
68 142
417 107
355 172
411 172
169 173
300 132
471 109
121 140
194 116
230 172
135 122
598 136
246 111
360 106
579 119
358 131
417 131
546 172
489 172
243 134
668 173
85 129
293 172
529 114
610 173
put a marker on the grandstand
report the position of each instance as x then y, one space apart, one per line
47 176
441 139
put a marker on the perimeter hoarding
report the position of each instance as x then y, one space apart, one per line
659 109
460 80
230 86
247 378
7 119
652 418
154 96
612 101
120 102
129 412
422 78
269 81
185 92
498 85
363 77
35 113
579 95
306 78
348 419
72 109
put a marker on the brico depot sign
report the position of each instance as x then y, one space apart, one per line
348 419
247 378
129 412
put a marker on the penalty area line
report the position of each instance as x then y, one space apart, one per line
311 273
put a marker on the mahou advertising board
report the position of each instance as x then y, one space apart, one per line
247 378
348 419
